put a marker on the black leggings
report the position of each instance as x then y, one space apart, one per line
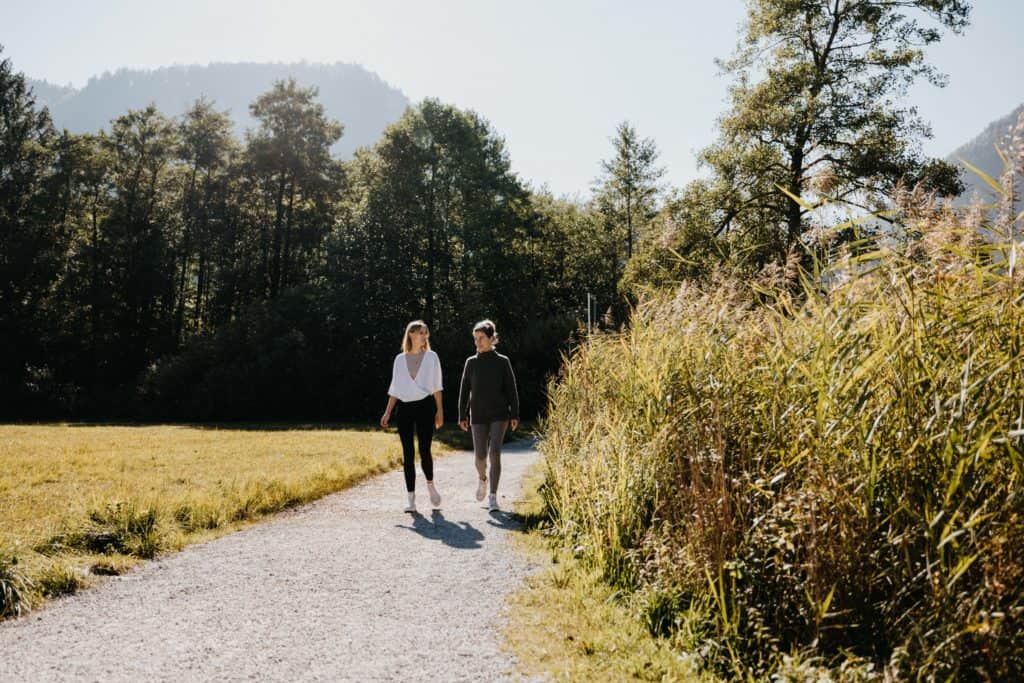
416 416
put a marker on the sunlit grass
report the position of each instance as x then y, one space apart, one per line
79 498
567 624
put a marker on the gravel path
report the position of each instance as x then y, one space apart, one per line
345 588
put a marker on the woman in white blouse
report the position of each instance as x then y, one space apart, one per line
416 391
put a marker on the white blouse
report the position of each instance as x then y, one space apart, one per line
427 382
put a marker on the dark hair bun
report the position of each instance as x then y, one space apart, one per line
486 327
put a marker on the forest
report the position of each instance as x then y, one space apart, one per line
164 268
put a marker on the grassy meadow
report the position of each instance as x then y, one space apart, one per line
79 499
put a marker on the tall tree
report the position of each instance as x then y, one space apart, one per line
31 237
572 256
290 155
817 106
83 292
628 189
442 209
205 148
433 224
135 258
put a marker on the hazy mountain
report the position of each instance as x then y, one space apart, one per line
981 152
357 98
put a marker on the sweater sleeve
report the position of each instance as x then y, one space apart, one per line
511 391
464 391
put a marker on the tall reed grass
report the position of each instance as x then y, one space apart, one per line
821 481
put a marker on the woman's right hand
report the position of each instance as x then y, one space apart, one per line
384 419
464 425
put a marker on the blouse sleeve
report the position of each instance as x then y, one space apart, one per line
393 388
436 382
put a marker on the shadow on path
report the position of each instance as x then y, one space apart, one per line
505 520
436 527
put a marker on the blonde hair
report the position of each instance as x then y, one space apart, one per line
409 329
488 328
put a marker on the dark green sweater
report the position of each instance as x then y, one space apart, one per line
488 391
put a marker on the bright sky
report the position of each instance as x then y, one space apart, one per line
554 77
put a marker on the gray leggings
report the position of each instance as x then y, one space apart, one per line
487 440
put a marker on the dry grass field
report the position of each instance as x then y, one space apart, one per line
80 499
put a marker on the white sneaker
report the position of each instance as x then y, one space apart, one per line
492 501
481 489
435 497
411 505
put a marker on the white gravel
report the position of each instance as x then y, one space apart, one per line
345 588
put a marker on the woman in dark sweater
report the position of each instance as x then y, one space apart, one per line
488 402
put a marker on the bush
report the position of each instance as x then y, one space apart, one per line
117 527
58 579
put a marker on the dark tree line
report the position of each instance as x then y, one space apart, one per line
164 268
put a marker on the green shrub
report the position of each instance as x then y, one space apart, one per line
57 580
117 527
198 516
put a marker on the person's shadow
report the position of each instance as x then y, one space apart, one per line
454 534
505 520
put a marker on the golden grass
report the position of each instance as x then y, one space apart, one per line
200 481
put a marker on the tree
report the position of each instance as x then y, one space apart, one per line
134 257
434 224
32 240
572 258
442 208
290 155
81 339
206 146
817 109
678 245
627 191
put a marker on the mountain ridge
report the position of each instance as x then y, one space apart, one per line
980 151
352 94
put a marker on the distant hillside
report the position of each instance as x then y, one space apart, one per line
981 151
357 98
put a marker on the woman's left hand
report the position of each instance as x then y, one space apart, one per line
438 420
515 425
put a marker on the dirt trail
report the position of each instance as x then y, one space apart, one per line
345 588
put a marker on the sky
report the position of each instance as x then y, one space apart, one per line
554 77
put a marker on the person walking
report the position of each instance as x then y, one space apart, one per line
416 392
488 403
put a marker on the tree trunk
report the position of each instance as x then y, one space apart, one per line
286 255
431 247
275 246
793 210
